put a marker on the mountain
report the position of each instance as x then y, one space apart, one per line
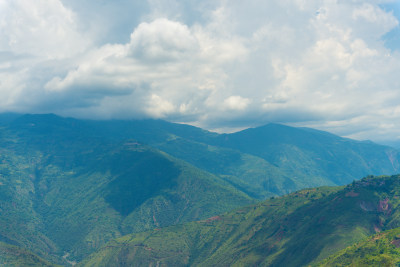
299 229
14 256
69 186
64 189
312 157
262 162
382 249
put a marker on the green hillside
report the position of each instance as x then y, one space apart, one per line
135 189
251 174
65 191
265 161
69 186
294 230
311 157
17 257
382 249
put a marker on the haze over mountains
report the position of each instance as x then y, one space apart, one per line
68 186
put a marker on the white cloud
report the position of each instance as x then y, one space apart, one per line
165 63
217 64
162 40
236 103
43 28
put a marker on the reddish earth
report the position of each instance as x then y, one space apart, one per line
352 194
384 206
155 221
396 243
215 218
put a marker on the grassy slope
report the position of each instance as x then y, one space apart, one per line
294 230
18 257
382 249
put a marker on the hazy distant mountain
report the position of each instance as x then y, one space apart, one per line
295 230
313 157
263 161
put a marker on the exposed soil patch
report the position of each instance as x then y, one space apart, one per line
383 205
215 218
396 243
352 194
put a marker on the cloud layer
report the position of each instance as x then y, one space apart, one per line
217 64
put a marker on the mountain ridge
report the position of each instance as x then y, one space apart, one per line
298 229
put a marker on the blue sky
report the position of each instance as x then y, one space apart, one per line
392 38
219 64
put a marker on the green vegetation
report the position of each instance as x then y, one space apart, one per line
313 158
17 257
299 229
382 249
68 187
64 191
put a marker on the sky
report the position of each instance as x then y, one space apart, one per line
222 65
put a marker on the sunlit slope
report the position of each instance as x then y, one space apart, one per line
382 249
295 230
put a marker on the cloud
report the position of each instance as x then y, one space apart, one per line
216 64
43 28
181 68
236 103
162 40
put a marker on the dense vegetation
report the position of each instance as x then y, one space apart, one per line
63 191
382 249
295 230
17 257
67 186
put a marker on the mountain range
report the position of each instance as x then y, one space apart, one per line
70 187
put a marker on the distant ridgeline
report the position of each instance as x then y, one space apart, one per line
68 186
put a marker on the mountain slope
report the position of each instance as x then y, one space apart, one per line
66 191
135 191
69 186
382 249
313 157
248 173
295 230
14 256
264 161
